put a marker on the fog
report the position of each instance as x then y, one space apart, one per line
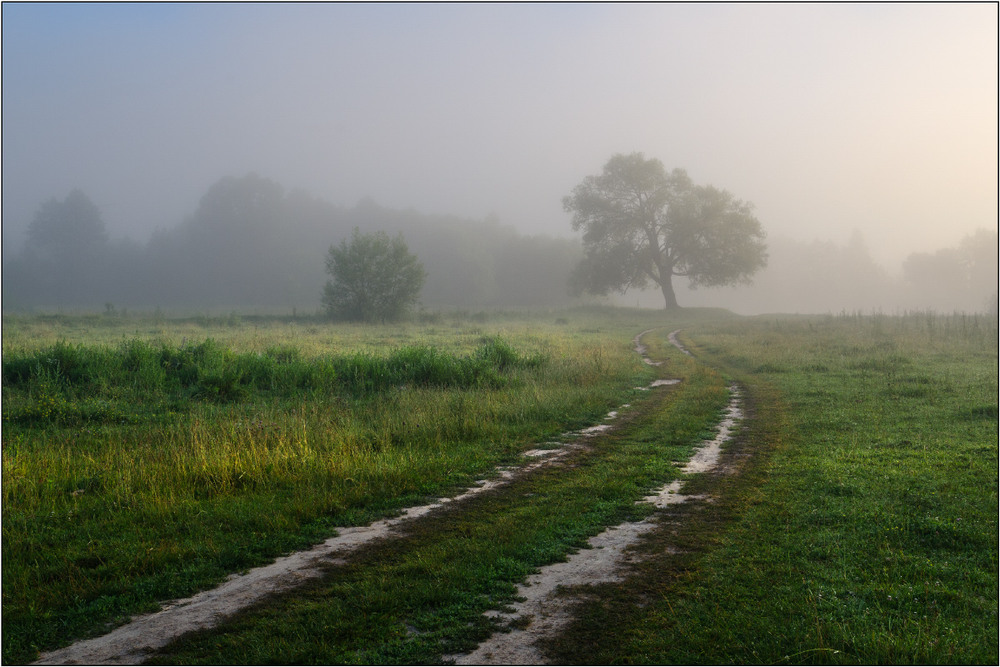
844 124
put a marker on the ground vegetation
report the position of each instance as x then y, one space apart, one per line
856 523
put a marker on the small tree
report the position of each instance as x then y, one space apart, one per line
642 224
375 278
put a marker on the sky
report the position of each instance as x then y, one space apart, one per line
830 118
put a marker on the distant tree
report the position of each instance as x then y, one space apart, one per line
239 247
64 257
374 278
65 228
959 278
533 270
816 276
641 224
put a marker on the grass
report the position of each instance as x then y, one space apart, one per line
76 385
416 599
864 532
151 467
862 528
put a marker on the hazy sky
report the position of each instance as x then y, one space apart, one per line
828 117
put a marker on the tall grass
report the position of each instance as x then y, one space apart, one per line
74 384
150 468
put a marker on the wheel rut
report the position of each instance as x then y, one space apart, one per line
545 611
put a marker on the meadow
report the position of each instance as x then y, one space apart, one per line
146 458
864 531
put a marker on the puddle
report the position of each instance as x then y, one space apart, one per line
706 457
642 350
594 430
658 383
533 453
676 343
666 496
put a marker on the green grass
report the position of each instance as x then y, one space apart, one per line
865 532
144 467
73 385
862 528
416 599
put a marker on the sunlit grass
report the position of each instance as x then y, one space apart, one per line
422 595
863 529
127 485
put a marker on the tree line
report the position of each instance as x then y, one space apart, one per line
644 226
252 243
821 276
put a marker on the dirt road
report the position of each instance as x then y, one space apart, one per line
544 611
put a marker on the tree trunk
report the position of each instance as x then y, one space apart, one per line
669 299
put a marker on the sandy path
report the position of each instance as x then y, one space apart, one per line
142 635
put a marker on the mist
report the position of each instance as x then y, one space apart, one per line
821 276
865 135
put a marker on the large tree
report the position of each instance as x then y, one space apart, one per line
374 278
643 225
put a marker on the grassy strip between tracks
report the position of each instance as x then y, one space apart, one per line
416 599
864 531
149 482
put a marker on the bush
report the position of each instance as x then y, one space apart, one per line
375 278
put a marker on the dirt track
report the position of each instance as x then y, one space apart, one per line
601 562
546 612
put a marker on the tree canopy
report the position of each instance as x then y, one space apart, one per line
66 254
374 278
62 229
642 225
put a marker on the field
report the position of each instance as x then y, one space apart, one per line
146 458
